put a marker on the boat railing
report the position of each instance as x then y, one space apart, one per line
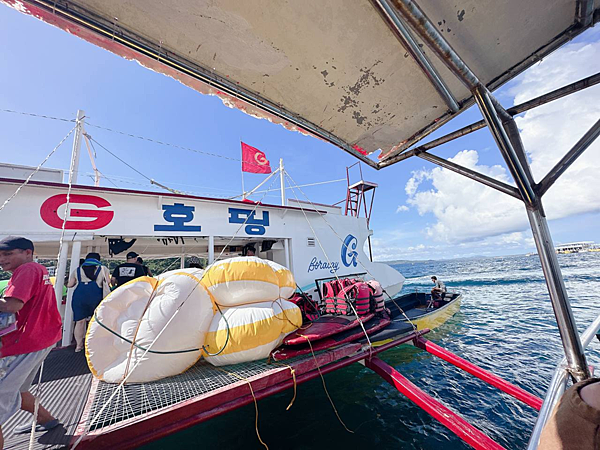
557 387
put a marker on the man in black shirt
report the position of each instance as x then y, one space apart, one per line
127 271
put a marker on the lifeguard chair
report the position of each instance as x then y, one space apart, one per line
357 198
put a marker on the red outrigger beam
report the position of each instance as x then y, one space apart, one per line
494 380
459 426
455 423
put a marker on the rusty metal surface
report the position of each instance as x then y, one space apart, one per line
332 69
65 385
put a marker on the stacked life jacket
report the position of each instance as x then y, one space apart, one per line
377 301
347 297
310 311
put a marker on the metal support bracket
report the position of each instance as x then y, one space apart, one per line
416 18
472 174
559 93
490 115
571 156
410 44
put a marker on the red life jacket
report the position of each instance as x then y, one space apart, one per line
378 303
353 297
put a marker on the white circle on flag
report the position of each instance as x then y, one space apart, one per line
260 159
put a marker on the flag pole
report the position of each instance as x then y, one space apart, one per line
282 181
242 170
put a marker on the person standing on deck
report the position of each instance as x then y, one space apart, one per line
30 296
127 271
91 281
195 263
147 270
438 290
249 250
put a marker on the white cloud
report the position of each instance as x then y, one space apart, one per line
466 211
549 131
386 249
401 208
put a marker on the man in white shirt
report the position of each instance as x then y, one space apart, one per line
438 289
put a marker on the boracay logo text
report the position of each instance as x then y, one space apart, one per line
317 264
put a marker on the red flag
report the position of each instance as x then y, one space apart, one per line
254 161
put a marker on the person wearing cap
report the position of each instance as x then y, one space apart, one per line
127 271
91 281
30 296
194 263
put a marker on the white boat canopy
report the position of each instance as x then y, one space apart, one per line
354 73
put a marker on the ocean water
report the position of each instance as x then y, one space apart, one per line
505 325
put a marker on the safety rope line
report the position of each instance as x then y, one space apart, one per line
255 402
232 238
138 182
273 362
342 241
42 116
139 360
37 397
36 408
124 162
137 328
37 169
330 265
325 386
155 141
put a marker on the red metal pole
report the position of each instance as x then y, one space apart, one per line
459 426
488 377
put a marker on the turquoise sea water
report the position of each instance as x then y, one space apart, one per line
505 325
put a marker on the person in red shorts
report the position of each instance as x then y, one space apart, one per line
30 296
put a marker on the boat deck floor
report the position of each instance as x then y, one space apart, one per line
66 382
102 415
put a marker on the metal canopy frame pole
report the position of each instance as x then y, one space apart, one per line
585 12
484 179
416 18
408 41
559 93
519 174
514 155
569 158
512 150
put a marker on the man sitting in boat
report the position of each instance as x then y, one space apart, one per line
30 295
438 291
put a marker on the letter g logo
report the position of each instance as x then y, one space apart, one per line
49 212
349 253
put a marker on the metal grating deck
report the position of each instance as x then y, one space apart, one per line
65 385
137 399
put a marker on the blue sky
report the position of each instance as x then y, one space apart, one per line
48 71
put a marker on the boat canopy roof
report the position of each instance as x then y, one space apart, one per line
355 73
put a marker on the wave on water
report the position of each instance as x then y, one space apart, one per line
506 325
